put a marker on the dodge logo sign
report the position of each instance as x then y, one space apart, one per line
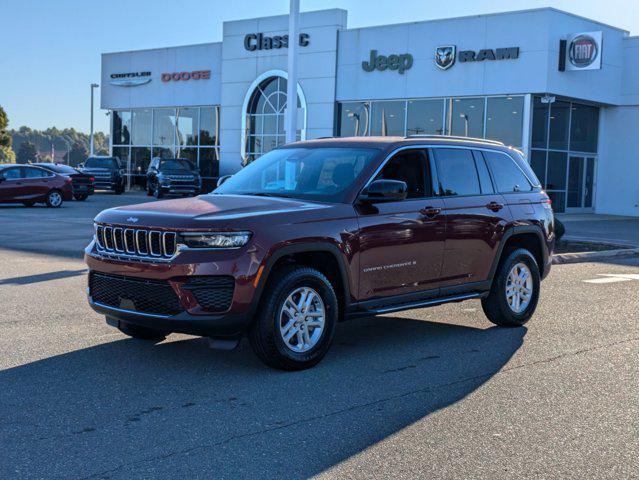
582 51
445 56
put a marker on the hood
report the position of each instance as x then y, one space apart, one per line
212 212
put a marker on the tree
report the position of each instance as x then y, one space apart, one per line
78 154
6 153
27 153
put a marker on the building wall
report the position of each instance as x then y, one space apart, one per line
617 189
316 74
157 93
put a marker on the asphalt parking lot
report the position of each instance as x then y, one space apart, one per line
436 393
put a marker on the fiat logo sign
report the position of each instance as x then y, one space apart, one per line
582 51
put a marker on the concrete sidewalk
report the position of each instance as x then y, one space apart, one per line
611 229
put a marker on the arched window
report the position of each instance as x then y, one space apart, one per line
264 107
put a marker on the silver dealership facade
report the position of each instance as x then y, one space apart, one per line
562 88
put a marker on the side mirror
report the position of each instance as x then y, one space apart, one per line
384 191
223 179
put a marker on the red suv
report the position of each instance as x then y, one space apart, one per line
29 185
321 231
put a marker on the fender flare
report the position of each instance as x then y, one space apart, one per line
518 230
305 247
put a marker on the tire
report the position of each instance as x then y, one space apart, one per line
496 305
265 335
54 198
81 197
157 192
142 333
119 190
28 204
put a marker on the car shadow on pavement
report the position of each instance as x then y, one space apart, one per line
127 408
43 277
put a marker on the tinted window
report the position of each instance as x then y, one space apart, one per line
540 123
34 172
559 123
504 119
323 174
11 173
556 171
457 172
484 177
95 162
425 117
409 167
467 118
176 164
584 128
353 119
387 118
508 176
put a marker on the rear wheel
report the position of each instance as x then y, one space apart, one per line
142 333
515 291
54 199
81 197
296 321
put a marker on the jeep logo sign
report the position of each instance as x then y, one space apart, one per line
399 63
584 51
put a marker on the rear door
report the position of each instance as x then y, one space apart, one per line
401 243
476 217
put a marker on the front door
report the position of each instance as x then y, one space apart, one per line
581 179
12 188
402 243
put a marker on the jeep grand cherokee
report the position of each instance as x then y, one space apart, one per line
320 231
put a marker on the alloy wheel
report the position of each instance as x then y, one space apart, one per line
519 288
301 319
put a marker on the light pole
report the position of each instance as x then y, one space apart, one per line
93 86
290 122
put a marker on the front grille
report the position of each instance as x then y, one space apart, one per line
212 293
145 243
128 293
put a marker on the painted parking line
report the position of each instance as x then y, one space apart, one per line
613 278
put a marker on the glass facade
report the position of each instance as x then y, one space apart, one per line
189 132
496 118
563 151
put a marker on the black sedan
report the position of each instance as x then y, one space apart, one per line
83 184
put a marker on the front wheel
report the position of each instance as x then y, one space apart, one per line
81 197
142 333
54 199
296 321
515 291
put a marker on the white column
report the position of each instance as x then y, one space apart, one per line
526 130
290 122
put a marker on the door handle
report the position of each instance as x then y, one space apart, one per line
494 206
430 212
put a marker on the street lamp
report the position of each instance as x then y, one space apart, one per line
93 86
465 117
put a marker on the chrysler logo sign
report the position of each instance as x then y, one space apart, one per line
445 56
130 79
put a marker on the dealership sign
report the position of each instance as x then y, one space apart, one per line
259 41
186 76
445 55
582 51
130 79
399 63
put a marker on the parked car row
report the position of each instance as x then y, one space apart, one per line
53 183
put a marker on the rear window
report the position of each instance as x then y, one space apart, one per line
94 162
63 169
508 176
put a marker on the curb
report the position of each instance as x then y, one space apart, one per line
565 258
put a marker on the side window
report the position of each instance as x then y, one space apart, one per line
508 176
11 173
33 172
409 166
457 172
484 177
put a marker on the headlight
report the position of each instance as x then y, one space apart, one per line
216 239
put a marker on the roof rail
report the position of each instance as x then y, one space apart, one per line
454 137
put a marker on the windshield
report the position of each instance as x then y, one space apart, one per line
94 162
63 169
176 164
323 174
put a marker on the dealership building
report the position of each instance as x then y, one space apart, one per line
561 88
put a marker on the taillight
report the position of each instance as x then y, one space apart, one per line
68 180
92 179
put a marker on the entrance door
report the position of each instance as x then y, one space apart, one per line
581 183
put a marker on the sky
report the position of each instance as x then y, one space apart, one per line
50 51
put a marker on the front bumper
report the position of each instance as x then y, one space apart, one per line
193 319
